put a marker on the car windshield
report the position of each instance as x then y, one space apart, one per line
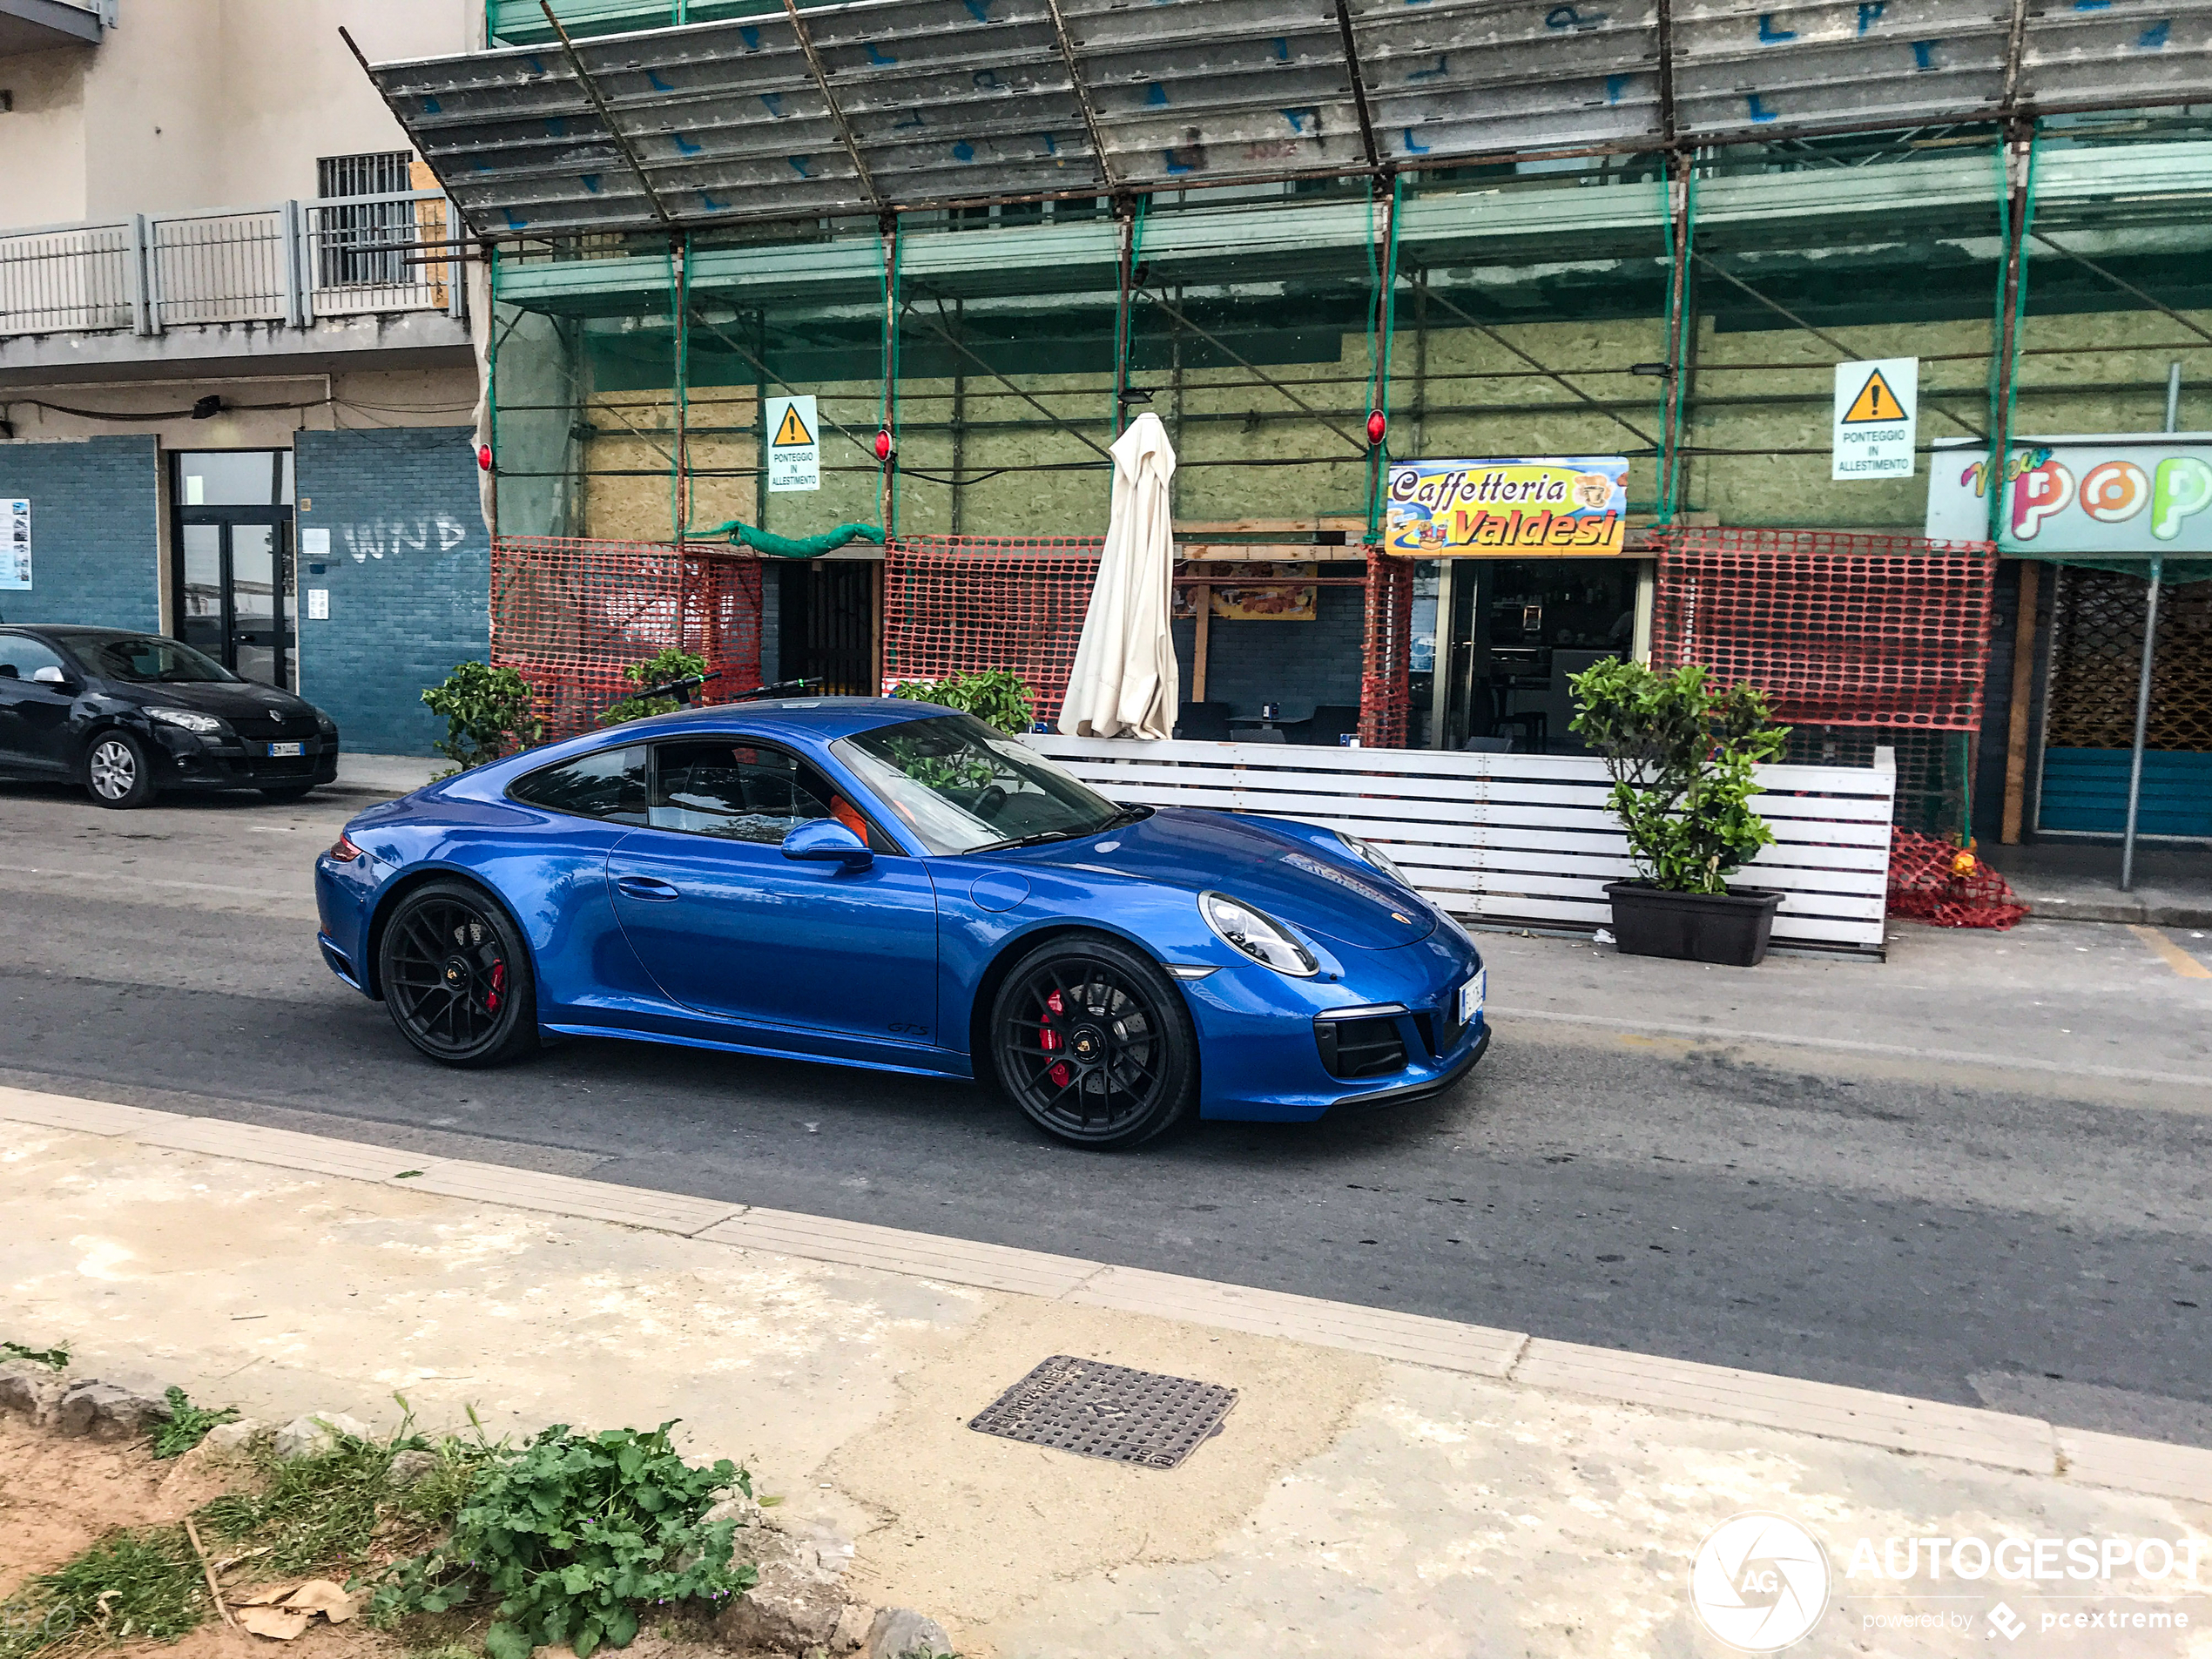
144 659
963 787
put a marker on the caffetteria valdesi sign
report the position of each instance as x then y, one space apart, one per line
1567 506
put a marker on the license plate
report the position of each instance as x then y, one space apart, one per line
1471 994
280 751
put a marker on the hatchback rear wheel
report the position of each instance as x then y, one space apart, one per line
1095 1044
456 977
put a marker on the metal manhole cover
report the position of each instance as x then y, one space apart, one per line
1098 1410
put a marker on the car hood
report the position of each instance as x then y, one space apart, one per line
232 699
1339 899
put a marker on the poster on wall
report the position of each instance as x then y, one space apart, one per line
15 544
1562 507
2121 493
1250 591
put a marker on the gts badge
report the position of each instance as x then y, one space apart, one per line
909 1030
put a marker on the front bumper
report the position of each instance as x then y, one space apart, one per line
185 760
1259 1060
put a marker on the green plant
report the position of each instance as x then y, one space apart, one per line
145 1582
55 1358
661 669
1681 758
329 1511
187 1426
487 710
994 696
571 1534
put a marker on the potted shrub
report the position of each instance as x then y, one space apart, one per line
1681 758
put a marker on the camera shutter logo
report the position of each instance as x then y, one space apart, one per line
1760 1583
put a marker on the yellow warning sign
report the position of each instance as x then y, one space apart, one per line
1874 405
794 430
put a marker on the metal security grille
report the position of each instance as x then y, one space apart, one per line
2096 660
366 245
953 605
1835 629
570 616
1102 1410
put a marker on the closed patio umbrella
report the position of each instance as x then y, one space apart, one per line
1124 682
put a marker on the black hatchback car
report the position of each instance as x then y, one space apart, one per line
126 714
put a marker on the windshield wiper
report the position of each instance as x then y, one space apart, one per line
1126 815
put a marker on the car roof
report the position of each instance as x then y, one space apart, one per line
823 719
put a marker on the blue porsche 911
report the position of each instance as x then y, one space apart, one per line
893 885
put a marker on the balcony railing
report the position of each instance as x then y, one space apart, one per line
289 264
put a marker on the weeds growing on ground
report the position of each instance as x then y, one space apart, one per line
573 1534
187 1426
141 1582
56 1358
338 1510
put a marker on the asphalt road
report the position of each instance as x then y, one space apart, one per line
1908 1176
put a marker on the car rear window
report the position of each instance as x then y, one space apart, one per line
609 783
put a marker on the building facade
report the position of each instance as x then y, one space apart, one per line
237 379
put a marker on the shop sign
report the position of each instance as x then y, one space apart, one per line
1552 506
1877 404
15 544
2113 494
794 445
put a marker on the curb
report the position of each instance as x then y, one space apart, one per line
1865 1417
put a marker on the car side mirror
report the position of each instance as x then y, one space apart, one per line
50 676
826 841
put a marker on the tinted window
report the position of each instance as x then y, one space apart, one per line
745 791
610 784
963 787
20 657
144 658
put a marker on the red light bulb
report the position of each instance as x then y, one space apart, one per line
484 457
883 443
1375 427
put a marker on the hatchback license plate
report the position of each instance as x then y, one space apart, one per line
1471 994
282 751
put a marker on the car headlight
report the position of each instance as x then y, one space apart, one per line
1374 856
1260 936
190 719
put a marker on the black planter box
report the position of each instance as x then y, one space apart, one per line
1729 929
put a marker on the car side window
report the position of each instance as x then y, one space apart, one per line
609 784
21 656
747 792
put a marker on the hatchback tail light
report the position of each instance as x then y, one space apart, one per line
343 849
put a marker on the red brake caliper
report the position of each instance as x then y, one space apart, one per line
1048 1040
498 984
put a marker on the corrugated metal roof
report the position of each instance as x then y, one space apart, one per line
887 104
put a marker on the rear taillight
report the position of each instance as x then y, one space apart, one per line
343 850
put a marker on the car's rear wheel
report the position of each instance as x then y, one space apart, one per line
456 977
116 772
1093 1043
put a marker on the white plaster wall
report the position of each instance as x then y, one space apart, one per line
197 104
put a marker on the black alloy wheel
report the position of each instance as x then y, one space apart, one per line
117 773
1095 1044
455 976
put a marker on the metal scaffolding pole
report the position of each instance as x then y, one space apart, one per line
2143 677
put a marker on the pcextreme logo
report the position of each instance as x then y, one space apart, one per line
1759 1582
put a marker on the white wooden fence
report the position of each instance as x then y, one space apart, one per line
1519 838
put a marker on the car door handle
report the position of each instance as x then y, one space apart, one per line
644 886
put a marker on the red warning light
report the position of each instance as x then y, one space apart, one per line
883 443
1375 427
484 457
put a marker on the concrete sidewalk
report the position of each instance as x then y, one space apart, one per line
2079 881
1386 1484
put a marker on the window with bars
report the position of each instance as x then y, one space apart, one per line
364 245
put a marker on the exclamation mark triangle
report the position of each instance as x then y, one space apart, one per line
1876 405
794 430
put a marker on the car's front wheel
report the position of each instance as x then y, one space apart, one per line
116 772
456 976
1093 1043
